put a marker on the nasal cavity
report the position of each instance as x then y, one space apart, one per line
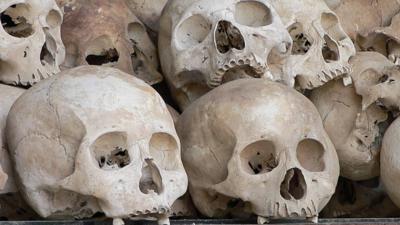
227 37
293 186
330 50
151 181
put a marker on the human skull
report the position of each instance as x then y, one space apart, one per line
102 32
376 79
390 168
30 48
360 199
257 144
111 141
205 43
8 96
356 133
321 49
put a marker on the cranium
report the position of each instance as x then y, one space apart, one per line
356 199
356 133
101 32
8 96
112 145
321 49
205 43
30 48
390 168
274 158
361 17
376 79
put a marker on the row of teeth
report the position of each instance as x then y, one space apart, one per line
160 210
216 80
326 76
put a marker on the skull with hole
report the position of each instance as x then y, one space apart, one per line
8 96
376 79
112 145
275 160
101 32
356 133
30 48
205 43
321 49
360 199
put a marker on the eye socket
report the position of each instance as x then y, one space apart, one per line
252 14
164 150
192 31
15 22
259 157
301 42
111 151
54 19
330 23
310 155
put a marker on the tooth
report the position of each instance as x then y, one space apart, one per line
118 221
313 219
262 220
163 220
338 72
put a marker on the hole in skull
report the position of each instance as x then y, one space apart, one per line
330 50
45 55
310 155
301 43
253 14
193 31
150 181
259 157
228 37
107 56
15 22
110 151
238 72
101 51
294 185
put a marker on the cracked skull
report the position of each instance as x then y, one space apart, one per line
205 43
356 133
101 32
109 146
321 49
30 48
275 160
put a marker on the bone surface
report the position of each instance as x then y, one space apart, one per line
356 133
273 159
30 42
111 141
101 32
321 49
205 43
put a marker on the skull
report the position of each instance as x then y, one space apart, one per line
112 145
376 79
358 199
30 48
205 43
390 168
274 160
101 32
8 96
356 134
321 49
